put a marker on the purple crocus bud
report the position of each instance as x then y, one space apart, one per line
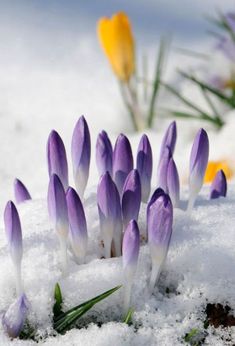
109 207
163 168
58 213
198 163
81 154
56 158
21 192
130 253
169 139
122 161
104 154
159 223
144 166
14 239
131 197
14 318
173 183
218 186
77 225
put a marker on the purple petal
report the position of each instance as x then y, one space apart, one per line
198 160
145 166
169 139
14 318
131 246
109 207
13 231
159 222
81 154
56 158
218 186
122 161
57 206
21 192
227 46
104 154
77 223
230 18
163 168
131 197
173 182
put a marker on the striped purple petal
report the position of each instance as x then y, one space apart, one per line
122 161
144 166
77 224
163 168
14 318
104 154
131 197
173 183
109 208
169 139
81 154
21 192
218 186
56 158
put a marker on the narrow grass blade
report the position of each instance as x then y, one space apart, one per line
127 319
157 79
64 322
58 301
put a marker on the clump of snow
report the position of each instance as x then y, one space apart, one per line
199 269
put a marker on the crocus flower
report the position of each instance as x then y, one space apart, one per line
56 158
77 225
144 166
14 239
214 166
198 163
104 154
58 213
131 197
159 223
21 192
116 39
218 186
130 253
109 207
173 183
163 168
81 154
122 161
169 139
14 318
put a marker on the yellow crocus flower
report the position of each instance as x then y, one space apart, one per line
117 41
214 166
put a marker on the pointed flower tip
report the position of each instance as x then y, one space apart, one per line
104 153
20 191
81 152
131 197
173 183
56 157
122 161
14 318
13 230
163 168
169 139
219 186
131 244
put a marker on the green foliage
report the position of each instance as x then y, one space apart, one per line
57 310
127 319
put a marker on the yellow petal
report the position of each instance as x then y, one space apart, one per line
117 41
214 166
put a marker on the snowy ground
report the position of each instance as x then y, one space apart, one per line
199 269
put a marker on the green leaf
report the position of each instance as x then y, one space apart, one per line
65 320
157 79
214 91
127 319
58 301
